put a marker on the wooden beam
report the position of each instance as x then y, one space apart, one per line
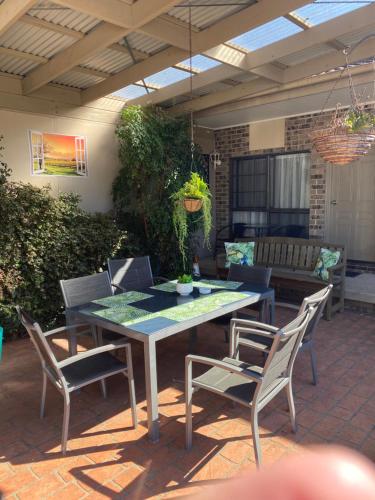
23 55
300 88
295 73
11 11
100 37
179 88
137 71
57 28
321 33
112 11
251 17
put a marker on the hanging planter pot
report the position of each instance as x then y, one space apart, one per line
192 204
350 134
340 146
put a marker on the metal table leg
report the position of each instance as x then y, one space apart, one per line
151 390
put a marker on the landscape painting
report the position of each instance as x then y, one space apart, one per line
57 154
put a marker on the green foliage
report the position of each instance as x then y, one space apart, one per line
195 188
155 156
185 278
42 240
358 120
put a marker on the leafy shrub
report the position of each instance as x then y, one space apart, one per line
42 240
156 157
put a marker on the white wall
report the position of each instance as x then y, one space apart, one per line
102 154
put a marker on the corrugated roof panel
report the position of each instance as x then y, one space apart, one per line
35 40
145 43
108 60
15 65
306 54
205 16
266 34
57 14
77 79
167 77
130 92
316 13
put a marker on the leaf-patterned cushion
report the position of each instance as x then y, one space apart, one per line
326 259
240 253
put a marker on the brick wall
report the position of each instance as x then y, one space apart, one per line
234 142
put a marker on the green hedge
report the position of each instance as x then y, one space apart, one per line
42 240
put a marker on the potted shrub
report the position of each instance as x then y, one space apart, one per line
184 284
192 197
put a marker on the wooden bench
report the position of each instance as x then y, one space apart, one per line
293 261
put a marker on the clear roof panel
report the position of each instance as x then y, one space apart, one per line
167 77
324 10
130 92
266 34
201 63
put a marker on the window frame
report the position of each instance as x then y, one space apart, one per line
267 209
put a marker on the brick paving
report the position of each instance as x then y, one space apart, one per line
109 459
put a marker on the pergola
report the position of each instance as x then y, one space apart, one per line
83 50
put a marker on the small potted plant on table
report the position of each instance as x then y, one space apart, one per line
184 284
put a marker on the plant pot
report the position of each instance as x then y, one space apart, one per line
192 204
184 289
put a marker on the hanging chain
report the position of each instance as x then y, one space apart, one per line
192 145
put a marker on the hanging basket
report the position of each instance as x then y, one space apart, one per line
340 146
192 204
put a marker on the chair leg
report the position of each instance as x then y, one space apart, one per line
189 404
65 428
72 340
44 390
292 409
98 339
103 388
313 364
133 402
255 432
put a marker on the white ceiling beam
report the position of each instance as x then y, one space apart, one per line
11 11
112 11
23 55
300 88
57 28
251 17
292 74
100 37
179 88
346 23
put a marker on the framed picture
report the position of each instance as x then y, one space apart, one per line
57 154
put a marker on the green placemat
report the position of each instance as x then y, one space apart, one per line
122 299
123 315
228 285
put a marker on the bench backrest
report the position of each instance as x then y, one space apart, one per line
293 253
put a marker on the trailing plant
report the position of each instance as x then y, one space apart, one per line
195 188
358 120
155 156
42 240
185 278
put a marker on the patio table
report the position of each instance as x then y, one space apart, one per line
155 313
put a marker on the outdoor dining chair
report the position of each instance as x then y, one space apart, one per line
256 275
250 385
77 371
317 301
82 290
131 274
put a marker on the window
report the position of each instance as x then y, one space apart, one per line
37 152
80 155
270 195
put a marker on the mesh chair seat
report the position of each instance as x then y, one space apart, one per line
88 369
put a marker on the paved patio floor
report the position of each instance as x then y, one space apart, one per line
109 459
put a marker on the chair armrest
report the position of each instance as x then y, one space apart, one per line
243 372
92 352
248 323
161 278
119 287
67 328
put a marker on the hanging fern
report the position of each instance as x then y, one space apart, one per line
195 188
